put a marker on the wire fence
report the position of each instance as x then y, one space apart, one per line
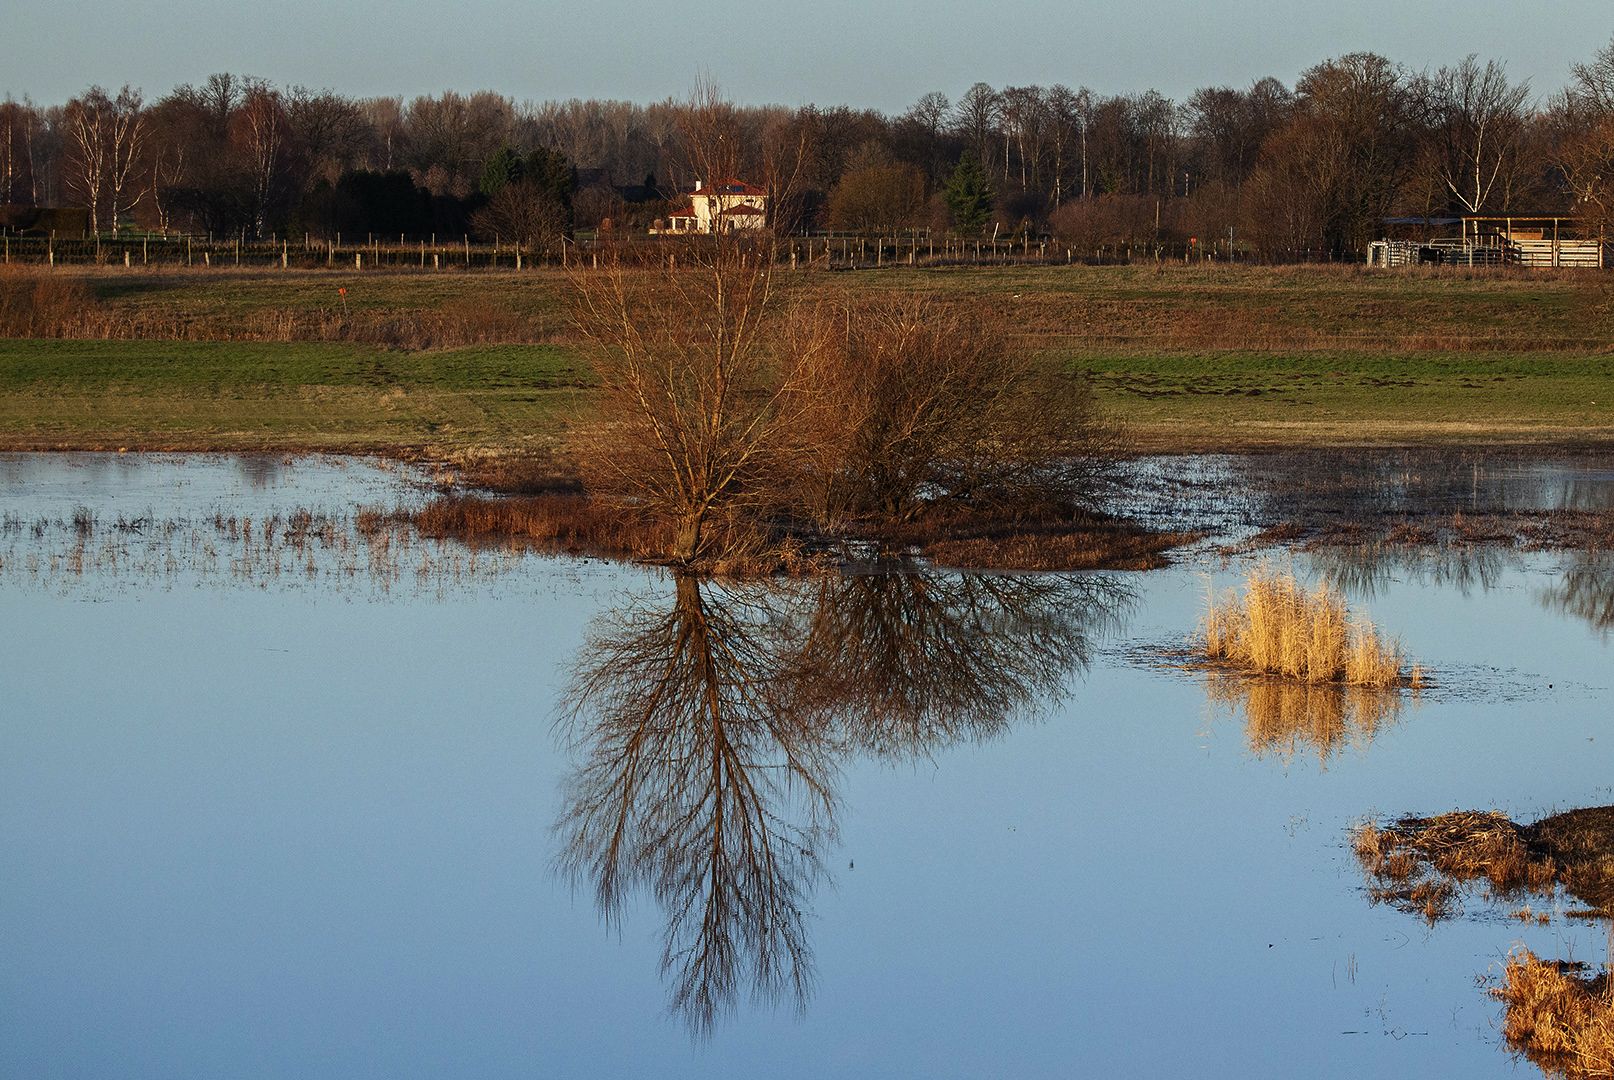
832 251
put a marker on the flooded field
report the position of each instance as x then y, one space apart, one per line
287 790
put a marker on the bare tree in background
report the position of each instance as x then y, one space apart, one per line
1585 116
1479 119
261 130
329 128
106 135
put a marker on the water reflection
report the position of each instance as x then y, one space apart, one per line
1283 717
1366 571
1558 1013
709 727
1392 482
1585 590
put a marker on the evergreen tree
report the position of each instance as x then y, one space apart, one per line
968 195
505 167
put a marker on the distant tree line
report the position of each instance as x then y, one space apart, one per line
1314 167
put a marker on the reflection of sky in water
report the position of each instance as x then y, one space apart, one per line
254 832
198 485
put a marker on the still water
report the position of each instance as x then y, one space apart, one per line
320 800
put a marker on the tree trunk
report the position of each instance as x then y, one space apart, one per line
687 537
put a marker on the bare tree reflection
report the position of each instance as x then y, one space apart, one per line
709 732
1585 591
702 784
1364 570
905 664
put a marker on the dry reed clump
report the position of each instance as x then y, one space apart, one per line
1278 628
1086 543
1420 862
569 523
1561 1021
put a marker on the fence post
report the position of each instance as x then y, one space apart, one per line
358 260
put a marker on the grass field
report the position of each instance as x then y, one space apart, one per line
1191 358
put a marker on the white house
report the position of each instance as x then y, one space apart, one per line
726 205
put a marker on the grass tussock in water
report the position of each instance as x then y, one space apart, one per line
1562 1020
1418 864
1276 627
571 523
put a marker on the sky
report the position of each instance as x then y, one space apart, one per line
879 54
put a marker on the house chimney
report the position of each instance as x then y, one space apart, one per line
697 183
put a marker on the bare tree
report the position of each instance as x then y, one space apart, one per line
910 408
329 129
976 118
691 370
878 198
106 136
260 129
1585 116
1479 118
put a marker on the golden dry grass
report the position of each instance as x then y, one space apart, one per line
1276 627
1562 1022
1419 862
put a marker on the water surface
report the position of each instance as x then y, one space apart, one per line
518 816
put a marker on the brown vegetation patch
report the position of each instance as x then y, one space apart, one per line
1419 863
37 303
533 473
1086 543
1561 1019
571 524
1574 849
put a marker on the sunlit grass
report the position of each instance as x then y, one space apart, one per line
1563 1021
1276 627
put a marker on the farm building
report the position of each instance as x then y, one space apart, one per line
1540 240
724 206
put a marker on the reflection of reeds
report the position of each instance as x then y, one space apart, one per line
1562 1021
1282 716
1278 628
374 548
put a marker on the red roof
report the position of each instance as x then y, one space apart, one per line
734 187
743 210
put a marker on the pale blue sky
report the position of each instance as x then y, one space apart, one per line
883 55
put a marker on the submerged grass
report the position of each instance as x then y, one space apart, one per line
1278 628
